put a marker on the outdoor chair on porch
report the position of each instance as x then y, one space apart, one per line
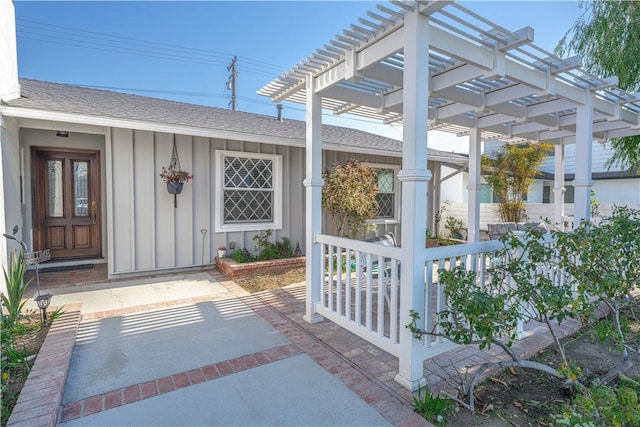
377 271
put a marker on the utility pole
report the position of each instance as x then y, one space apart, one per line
231 83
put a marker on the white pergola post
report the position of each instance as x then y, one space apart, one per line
582 182
558 186
474 186
414 177
313 200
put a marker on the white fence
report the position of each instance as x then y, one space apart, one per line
360 287
534 212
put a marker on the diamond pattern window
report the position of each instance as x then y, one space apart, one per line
385 181
249 189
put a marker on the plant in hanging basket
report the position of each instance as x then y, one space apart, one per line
172 175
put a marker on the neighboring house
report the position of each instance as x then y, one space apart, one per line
81 169
609 186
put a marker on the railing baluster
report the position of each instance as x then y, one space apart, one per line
324 279
369 308
381 294
348 284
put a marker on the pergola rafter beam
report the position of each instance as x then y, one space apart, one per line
481 75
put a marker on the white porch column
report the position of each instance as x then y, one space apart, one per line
582 182
414 177
558 186
474 186
313 200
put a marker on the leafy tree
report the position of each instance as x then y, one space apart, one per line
606 36
605 260
349 193
510 174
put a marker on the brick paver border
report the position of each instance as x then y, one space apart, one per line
40 399
136 392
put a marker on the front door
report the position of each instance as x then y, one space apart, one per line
66 197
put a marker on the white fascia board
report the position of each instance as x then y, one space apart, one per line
509 93
455 76
53 125
494 120
621 133
607 126
380 49
548 107
330 77
148 126
451 110
385 73
572 93
547 135
606 107
460 49
527 76
463 121
629 117
360 150
392 99
353 96
464 96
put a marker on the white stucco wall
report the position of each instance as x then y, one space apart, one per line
10 203
454 189
9 86
625 190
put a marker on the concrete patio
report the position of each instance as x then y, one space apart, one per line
134 364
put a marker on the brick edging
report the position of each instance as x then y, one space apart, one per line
133 393
40 398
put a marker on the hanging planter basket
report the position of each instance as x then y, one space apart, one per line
174 176
175 187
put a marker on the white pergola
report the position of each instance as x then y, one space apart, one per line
437 65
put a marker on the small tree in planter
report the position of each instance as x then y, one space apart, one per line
510 174
349 194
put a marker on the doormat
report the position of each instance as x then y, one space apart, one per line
66 268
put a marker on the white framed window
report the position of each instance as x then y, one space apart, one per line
386 180
248 191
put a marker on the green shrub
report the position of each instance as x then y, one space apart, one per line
16 286
433 408
242 256
602 406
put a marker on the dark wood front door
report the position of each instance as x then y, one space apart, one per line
66 198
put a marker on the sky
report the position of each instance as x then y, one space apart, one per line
182 50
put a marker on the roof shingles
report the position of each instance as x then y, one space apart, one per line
64 98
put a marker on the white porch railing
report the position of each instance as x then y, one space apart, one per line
360 287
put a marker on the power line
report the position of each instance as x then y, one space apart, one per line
144 48
139 43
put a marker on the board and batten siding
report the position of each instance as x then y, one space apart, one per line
147 233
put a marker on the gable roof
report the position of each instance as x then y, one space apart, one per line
57 101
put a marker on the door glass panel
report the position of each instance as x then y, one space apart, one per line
80 189
54 177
